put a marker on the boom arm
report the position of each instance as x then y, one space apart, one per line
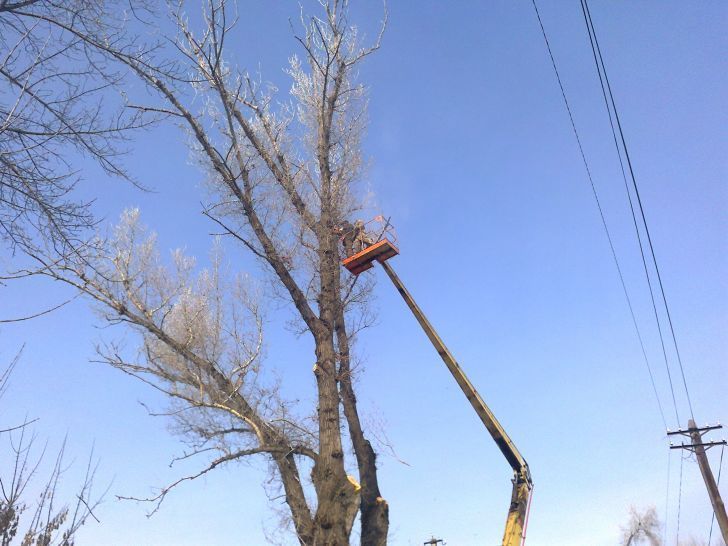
522 484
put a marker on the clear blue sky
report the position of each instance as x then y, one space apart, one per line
473 157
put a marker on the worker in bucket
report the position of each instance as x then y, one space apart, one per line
361 238
354 237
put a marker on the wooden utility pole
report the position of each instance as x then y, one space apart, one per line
698 446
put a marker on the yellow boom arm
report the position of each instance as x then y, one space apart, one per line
515 532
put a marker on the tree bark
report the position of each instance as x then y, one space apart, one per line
374 509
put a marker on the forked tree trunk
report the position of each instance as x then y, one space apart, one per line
337 496
374 509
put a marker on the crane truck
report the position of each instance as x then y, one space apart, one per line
382 250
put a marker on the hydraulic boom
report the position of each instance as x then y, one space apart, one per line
515 533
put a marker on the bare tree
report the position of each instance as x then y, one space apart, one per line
53 89
642 527
43 522
283 181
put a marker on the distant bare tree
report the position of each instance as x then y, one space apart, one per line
52 91
50 522
643 527
282 180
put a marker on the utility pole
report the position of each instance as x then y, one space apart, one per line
698 446
434 542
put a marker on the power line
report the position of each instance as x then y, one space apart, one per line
679 502
601 214
601 69
667 497
634 217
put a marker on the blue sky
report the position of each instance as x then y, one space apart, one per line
473 157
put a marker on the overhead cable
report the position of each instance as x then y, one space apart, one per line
679 502
612 111
667 498
601 215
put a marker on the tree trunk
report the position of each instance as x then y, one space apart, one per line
374 509
335 493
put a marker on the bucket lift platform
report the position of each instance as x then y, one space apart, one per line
380 251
